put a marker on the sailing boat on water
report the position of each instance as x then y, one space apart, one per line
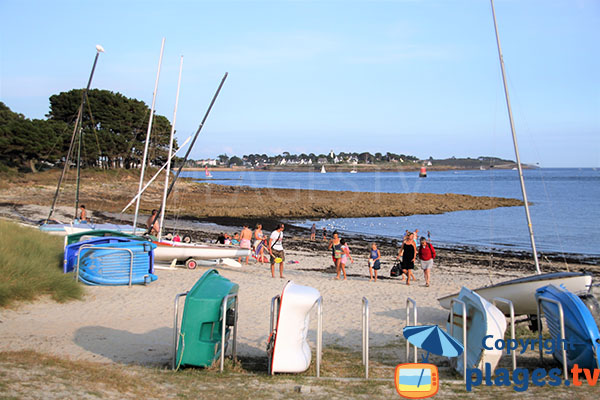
207 172
522 291
323 169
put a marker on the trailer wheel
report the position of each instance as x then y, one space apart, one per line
191 263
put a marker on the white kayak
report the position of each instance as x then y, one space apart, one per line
483 319
521 291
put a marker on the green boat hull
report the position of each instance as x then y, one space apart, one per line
199 342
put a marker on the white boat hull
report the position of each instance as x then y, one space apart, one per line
183 251
483 319
522 291
291 353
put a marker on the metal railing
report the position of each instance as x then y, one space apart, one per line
224 327
561 318
464 329
319 303
88 246
365 335
512 324
319 333
410 301
176 328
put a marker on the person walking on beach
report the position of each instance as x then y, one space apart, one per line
408 253
336 252
259 236
245 241
345 256
313 232
276 250
374 263
324 234
152 223
426 255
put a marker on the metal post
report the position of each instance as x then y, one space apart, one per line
176 328
410 301
514 136
464 329
319 333
561 317
164 198
512 324
224 325
89 246
146 144
276 299
365 335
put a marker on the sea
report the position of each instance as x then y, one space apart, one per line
565 206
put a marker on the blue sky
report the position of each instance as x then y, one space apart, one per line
413 77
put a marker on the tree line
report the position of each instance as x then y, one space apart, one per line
113 133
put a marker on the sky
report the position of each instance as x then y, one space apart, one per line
418 77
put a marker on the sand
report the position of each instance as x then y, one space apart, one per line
135 325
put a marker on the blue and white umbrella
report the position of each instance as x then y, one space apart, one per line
433 339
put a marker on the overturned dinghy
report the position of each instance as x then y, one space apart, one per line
483 320
288 349
125 263
209 314
71 254
580 328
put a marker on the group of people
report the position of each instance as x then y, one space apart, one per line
407 255
260 245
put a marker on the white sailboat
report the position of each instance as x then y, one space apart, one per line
323 169
522 291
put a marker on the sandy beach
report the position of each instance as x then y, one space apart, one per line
134 325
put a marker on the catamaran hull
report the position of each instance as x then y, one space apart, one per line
182 252
522 291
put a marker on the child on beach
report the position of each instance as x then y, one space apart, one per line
345 256
374 263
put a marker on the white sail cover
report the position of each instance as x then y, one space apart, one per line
291 352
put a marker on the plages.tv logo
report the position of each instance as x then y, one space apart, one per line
421 380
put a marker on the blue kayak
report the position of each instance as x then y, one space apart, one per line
72 250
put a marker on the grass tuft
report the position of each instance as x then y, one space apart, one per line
31 266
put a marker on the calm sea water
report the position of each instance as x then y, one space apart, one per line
565 210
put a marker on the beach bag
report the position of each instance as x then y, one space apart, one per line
395 271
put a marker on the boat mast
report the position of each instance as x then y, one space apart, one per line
137 204
99 49
514 136
187 154
164 199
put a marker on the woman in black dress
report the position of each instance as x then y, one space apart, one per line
408 252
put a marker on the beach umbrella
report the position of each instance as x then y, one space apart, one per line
433 339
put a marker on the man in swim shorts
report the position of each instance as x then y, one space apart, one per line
245 241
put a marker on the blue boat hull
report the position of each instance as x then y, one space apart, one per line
100 266
581 330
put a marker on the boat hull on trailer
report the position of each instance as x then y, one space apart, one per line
483 319
581 330
167 252
521 291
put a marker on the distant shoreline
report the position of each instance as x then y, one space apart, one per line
347 168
